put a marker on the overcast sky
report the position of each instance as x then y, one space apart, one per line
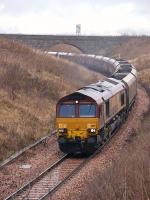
97 17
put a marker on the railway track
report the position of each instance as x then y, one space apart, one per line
47 181
53 178
24 150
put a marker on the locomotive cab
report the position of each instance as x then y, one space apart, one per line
77 122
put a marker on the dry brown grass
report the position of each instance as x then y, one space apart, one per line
129 176
30 84
144 74
141 62
65 48
132 48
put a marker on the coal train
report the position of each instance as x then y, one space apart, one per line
88 117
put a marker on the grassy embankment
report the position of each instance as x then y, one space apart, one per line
129 176
65 48
30 85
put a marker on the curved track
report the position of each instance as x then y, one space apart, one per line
53 177
39 186
102 64
24 150
49 180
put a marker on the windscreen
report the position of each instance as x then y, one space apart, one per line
67 110
87 110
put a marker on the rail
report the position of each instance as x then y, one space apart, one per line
33 181
78 168
52 189
22 151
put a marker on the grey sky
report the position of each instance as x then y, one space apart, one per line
60 16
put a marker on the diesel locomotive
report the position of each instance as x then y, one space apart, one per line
86 118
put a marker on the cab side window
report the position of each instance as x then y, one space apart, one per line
107 108
122 99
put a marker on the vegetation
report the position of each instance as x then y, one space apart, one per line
132 48
129 175
62 47
30 84
144 77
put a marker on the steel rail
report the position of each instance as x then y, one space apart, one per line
33 181
78 168
53 189
22 151
69 175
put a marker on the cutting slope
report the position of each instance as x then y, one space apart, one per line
132 48
65 48
30 84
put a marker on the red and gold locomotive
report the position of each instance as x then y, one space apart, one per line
86 118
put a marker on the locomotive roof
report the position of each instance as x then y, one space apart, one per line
102 89
121 71
99 92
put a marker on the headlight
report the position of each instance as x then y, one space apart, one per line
62 130
91 130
